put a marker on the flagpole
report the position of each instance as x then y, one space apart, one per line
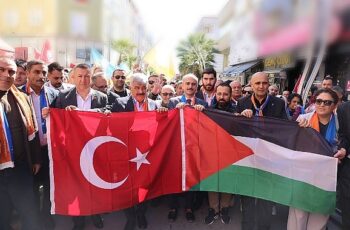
183 149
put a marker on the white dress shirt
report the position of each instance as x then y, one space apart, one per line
84 104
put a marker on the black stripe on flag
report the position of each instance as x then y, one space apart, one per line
285 133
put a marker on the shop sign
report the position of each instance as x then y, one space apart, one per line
279 62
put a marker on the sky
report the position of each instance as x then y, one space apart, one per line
170 21
175 19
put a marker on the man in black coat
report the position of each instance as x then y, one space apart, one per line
259 104
20 155
84 98
344 168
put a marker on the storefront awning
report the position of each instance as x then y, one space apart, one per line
240 68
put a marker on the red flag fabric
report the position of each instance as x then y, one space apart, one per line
101 163
37 54
46 52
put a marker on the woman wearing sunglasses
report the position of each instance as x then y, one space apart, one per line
325 122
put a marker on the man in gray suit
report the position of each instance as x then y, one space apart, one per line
189 85
82 97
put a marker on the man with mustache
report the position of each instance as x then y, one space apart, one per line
55 77
207 92
137 101
189 85
42 97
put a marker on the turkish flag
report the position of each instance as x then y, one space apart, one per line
101 163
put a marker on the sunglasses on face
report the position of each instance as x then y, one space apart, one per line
325 102
167 94
118 77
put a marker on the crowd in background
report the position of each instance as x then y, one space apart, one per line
88 88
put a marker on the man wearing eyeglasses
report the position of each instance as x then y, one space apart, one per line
55 77
99 83
166 93
236 87
259 104
118 78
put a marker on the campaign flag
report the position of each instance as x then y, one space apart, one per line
101 163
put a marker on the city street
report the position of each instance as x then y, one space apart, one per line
157 217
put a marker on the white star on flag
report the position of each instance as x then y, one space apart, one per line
140 159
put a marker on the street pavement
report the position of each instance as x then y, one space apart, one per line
157 219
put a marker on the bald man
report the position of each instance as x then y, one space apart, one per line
259 104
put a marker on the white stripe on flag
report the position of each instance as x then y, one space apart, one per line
314 169
52 178
183 148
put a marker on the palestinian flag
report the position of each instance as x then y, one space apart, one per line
101 163
289 165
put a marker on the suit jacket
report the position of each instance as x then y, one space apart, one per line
200 95
111 98
69 97
176 100
51 95
126 104
275 107
343 113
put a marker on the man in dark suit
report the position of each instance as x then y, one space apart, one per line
259 104
207 91
343 112
82 97
137 101
42 97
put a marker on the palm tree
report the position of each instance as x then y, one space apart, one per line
126 51
195 54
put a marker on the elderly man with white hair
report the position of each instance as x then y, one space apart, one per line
189 85
166 93
137 101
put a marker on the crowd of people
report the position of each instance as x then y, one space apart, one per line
29 89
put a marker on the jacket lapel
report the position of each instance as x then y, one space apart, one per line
72 97
94 100
130 105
